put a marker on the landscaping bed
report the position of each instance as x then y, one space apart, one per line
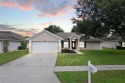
67 51
10 56
99 77
97 57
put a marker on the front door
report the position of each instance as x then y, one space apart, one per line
73 45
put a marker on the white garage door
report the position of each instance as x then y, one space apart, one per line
45 47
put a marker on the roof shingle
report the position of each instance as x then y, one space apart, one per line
8 35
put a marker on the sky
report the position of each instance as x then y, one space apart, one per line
31 16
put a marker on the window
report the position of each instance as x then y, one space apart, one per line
123 44
65 44
82 44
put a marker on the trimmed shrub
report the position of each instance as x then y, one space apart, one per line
23 45
5 46
67 51
120 48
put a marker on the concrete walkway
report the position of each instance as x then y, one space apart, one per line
33 68
78 52
85 68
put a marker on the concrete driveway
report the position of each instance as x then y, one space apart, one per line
33 68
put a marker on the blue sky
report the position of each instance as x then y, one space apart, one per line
31 16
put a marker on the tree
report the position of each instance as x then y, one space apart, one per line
54 29
89 28
114 18
74 29
108 13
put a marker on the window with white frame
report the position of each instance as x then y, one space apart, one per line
66 44
123 44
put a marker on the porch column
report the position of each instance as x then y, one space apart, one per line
78 44
30 46
70 43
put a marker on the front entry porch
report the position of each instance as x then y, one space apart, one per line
72 43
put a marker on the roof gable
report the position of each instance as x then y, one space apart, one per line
45 36
75 37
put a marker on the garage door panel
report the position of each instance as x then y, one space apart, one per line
45 47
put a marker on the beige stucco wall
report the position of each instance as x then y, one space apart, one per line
93 45
60 48
14 46
109 44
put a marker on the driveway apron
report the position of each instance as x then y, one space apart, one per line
32 68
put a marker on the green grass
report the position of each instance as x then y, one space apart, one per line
10 56
99 77
97 57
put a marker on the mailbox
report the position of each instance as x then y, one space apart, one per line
92 68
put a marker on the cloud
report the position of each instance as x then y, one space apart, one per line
22 4
55 10
47 8
23 32
7 27
48 23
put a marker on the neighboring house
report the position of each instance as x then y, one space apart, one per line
13 38
113 41
46 42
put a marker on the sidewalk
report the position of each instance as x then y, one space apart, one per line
85 68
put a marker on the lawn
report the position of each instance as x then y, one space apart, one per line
99 77
10 56
97 57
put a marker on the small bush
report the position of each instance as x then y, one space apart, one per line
120 48
67 51
23 45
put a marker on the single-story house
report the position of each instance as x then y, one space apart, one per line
47 42
13 38
113 41
78 42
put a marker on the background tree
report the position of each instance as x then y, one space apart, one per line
113 16
90 28
74 29
54 29
107 13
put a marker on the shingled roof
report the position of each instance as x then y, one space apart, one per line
114 38
8 35
66 36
